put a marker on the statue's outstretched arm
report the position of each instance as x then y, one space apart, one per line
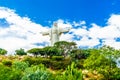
62 30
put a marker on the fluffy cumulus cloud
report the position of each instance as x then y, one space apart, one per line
96 35
100 35
108 33
20 32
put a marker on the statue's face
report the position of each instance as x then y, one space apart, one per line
55 24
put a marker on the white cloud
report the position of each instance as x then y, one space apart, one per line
114 20
112 43
66 37
23 33
86 42
63 24
80 32
107 33
78 23
91 37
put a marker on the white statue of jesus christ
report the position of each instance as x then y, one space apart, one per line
55 33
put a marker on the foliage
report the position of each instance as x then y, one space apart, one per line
36 51
36 73
65 47
37 61
110 53
7 73
50 51
3 51
56 65
20 52
57 58
60 48
79 54
18 65
7 62
98 62
71 73
79 63
103 61
50 63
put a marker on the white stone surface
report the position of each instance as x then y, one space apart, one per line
55 33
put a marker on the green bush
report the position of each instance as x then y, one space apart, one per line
71 73
49 63
7 73
30 60
46 62
37 61
57 58
79 63
36 73
18 65
7 62
54 64
59 64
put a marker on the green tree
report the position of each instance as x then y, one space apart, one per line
51 51
103 61
36 51
79 54
3 51
65 47
71 73
20 52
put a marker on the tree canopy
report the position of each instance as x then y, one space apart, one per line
36 51
20 52
3 51
65 47
103 61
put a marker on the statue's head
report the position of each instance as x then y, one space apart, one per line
55 24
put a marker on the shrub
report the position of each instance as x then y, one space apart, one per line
60 64
11 57
30 60
42 67
79 63
7 73
71 73
7 62
49 63
57 58
36 73
18 65
46 62
37 61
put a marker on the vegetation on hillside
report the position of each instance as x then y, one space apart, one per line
63 61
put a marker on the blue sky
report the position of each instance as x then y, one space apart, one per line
42 11
94 23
